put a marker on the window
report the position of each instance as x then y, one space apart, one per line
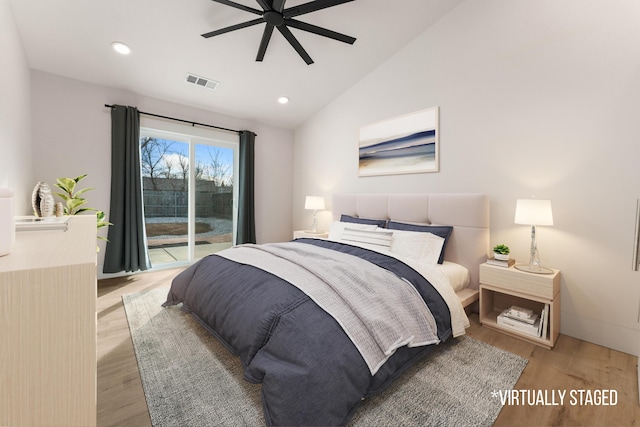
189 185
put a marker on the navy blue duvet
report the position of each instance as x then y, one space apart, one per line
311 373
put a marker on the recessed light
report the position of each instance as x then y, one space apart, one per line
121 48
283 100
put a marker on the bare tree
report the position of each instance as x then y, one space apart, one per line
183 163
200 171
218 170
152 158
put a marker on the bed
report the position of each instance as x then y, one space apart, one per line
326 323
468 213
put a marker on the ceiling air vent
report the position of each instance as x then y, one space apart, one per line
202 81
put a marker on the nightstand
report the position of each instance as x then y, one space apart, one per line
501 288
299 234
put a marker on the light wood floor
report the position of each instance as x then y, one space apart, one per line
571 365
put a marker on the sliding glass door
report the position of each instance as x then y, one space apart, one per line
189 195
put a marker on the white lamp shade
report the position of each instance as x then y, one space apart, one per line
314 202
533 212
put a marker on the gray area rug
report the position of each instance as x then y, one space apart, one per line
190 379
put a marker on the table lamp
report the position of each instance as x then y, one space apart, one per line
533 212
315 203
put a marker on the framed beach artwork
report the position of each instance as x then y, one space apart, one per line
404 144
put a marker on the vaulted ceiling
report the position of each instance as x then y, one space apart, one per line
73 38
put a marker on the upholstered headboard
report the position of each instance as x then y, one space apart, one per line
468 213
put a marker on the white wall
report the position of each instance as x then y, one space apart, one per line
72 136
536 98
15 136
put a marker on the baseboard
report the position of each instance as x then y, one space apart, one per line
616 337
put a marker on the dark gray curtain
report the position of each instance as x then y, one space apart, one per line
246 226
126 249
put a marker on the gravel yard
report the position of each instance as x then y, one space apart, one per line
209 227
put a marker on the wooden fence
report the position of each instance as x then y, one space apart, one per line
174 204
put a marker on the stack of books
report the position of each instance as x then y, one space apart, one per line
525 321
501 263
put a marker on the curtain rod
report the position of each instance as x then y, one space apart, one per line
180 120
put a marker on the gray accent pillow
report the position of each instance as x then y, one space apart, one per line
382 223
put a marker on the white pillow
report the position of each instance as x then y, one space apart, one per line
377 239
337 228
457 274
423 247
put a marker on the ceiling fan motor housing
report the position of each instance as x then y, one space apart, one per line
275 15
274 18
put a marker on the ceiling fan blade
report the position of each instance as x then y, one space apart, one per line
266 36
239 6
232 28
320 31
295 43
278 5
311 7
265 4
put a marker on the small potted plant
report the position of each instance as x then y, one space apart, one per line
74 204
501 252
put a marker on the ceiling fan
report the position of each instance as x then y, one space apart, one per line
274 14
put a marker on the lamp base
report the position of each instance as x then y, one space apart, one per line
533 269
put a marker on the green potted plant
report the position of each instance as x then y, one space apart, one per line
501 252
74 204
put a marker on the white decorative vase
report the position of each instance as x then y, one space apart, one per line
42 200
7 225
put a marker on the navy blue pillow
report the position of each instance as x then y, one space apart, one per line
443 231
382 223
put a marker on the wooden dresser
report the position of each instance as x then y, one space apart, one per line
48 327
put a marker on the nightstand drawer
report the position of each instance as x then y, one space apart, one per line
539 285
